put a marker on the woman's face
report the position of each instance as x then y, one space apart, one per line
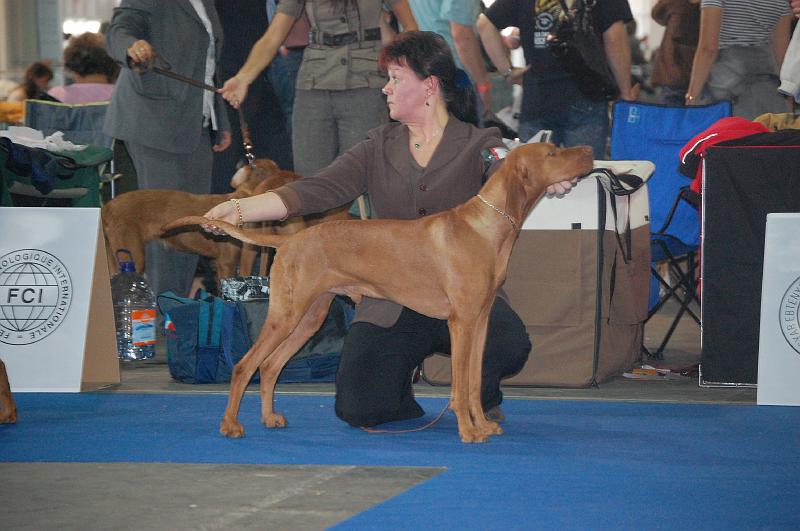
42 82
405 92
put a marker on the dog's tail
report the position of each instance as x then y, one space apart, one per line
245 235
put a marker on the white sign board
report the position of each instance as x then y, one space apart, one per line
56 316
779 340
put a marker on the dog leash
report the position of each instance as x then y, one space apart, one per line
411 430
166 70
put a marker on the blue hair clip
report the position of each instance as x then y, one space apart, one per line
462 80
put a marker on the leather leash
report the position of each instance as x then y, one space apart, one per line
425 427
166 70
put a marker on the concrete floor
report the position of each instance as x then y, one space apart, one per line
201 496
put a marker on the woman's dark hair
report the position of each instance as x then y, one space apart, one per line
427 54
37 70
86 54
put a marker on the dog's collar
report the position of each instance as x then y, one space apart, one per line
509 218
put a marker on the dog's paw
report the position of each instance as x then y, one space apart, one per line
231 428
473 435
9 417
274 420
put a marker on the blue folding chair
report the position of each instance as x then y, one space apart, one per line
641 131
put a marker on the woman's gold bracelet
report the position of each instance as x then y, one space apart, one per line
238 211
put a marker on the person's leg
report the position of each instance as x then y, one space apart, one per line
373 384
356 111
314 136
587 125
507 349
168 268
282 75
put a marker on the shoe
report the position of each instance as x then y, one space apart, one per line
495 414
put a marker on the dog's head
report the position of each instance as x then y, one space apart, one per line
543 164
249 176
275 180
530 168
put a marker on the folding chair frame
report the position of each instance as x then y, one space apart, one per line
683 268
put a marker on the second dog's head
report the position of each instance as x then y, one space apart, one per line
249 176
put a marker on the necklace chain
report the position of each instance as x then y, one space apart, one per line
509 218
418 145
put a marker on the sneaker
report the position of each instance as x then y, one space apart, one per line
495 414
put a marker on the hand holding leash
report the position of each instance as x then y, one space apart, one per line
141 52
234 91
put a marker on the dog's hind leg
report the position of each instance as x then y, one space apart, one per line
271 368
243 371
282 320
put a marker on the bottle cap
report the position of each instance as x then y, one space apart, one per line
127 267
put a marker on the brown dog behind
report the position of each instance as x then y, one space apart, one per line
446 266
135 218
8 412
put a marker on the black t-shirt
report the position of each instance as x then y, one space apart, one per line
547 84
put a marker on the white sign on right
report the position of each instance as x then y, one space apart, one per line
779 340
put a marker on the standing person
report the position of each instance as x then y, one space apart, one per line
426 162
739 54
169 127
282 72
551 98
672 64
337 96
92 70
455 21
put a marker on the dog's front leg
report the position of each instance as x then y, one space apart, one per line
475 376
462 336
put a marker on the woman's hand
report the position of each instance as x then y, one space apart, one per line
141 52
234 91
560 189
225 211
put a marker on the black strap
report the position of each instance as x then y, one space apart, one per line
627 251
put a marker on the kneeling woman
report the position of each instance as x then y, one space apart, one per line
428 162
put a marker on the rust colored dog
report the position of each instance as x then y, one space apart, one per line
135 218
8 413
447 266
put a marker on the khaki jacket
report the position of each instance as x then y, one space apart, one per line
398 187
349 66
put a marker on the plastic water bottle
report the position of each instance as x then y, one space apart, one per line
134 312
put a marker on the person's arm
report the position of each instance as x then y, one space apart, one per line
618 53
497 51
126 34
781 34
263 207
404 16
261 55
795 7
706 54
469 51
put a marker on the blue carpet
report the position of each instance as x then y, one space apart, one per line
560 464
